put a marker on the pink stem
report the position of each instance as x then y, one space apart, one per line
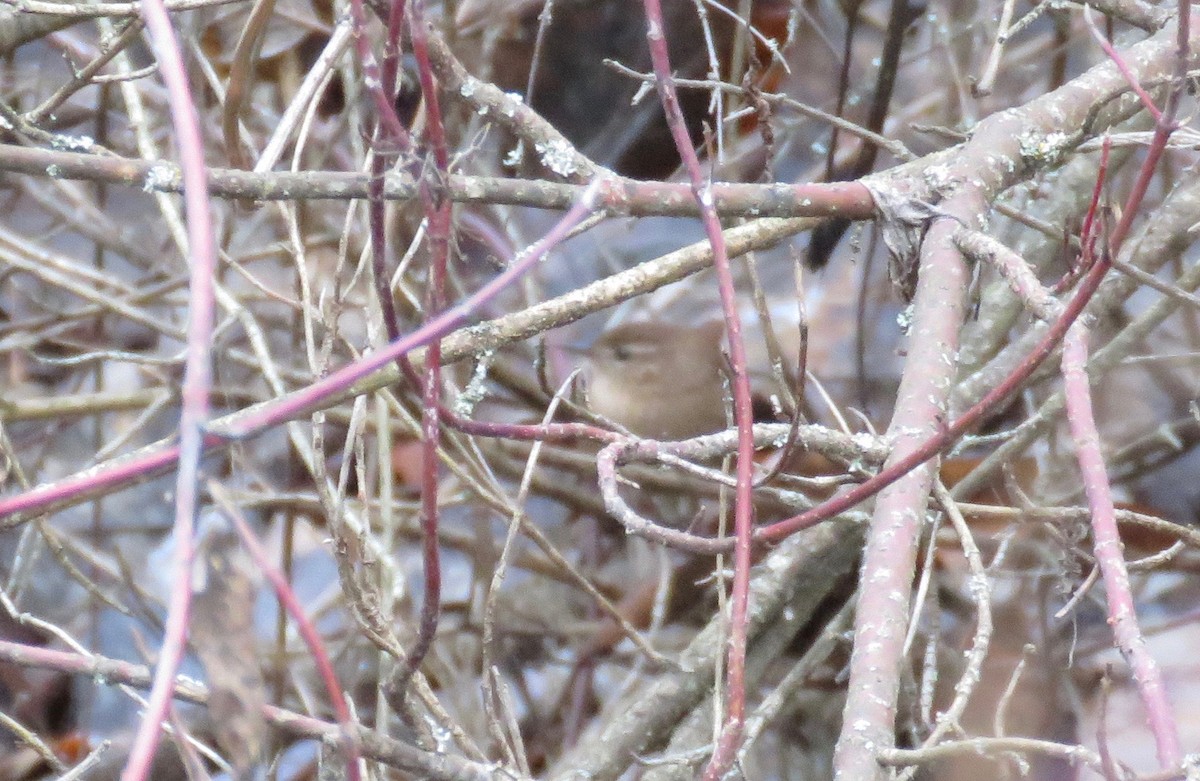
197 380
308 632
300 403
735 687
439 216
1109 551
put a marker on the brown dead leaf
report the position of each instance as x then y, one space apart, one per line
222 633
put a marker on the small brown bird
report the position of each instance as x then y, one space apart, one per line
659 380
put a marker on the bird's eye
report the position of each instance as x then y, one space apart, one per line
622 352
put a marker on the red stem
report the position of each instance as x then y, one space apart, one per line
1110 552
308 632
438 216
197 381
735 687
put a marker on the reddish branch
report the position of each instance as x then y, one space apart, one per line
993 156
743 416
308 631
881 615
1080 415
197 380
882 612
438 218
621 196
1003 150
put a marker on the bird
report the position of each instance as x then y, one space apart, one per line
659 380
